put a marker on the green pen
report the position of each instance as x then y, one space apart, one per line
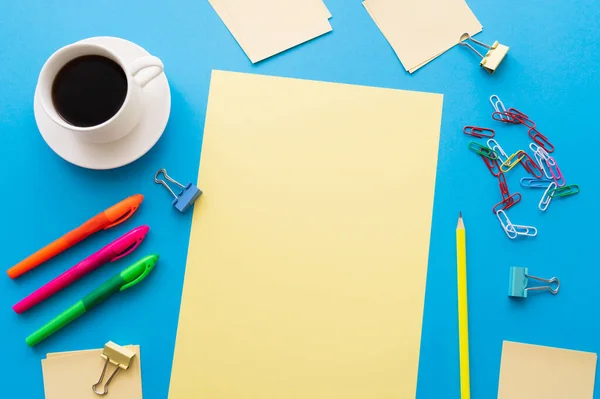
127 278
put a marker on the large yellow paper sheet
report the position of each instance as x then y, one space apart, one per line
308 253
421 30
70 375
541 372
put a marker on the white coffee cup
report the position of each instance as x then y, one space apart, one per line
127 117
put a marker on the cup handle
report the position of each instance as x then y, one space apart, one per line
146 62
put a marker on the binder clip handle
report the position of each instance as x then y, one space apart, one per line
550 281
463 42
187 195
120 357
164 183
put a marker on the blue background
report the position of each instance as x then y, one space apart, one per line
551 74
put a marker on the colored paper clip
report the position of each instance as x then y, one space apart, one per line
532 182
531 167
546 198
482 150
493 144
518 281
521 117
503 186
517 114
509 163
492 165
494 56
497 103
540 139
118 356
555 172
507 203
479 132
186 197
564 191
505 116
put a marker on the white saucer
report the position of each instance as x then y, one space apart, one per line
157 107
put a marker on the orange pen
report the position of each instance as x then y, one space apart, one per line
111 217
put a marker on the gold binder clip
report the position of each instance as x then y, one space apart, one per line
494 56
116 355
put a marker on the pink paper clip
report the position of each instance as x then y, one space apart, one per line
555 172
507 203
540 139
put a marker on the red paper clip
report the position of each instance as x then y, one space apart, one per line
478 132
503 186
530 166
521 117
492 165
541 140
505 117
518 114
507 203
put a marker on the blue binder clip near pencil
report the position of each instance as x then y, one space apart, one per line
518 281
186 197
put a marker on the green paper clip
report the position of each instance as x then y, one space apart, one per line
483 150
565 191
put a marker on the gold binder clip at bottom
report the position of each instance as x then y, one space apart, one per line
116 355
494 56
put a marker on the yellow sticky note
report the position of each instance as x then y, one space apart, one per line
421 30
70 375
542 372
308 253
264 28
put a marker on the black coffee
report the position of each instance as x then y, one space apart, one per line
89 90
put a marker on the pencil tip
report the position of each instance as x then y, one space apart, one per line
461 223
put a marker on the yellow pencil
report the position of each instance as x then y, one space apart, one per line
463 319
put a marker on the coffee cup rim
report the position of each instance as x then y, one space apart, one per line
46 88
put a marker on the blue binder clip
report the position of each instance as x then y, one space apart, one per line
518 279
186 197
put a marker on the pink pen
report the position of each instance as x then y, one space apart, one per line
117 249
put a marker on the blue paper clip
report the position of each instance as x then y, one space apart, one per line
518 280
186 197
534 182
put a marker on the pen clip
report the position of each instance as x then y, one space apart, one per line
123 217
129 249
148 268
